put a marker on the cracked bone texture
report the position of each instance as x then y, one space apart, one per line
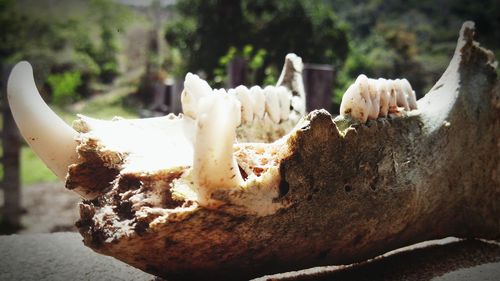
369 99
342 194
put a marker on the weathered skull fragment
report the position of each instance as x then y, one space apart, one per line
183 197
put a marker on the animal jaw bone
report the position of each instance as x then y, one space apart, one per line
56 143
396 182
369 98
331 198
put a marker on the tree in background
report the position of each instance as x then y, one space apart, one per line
412 39
205 31
111 18
66 56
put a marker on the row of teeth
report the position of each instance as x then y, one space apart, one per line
218 113
255 103
370 98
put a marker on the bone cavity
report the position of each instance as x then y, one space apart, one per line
47 134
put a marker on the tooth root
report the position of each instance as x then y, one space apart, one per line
284 96
272 103
410 94
47 134
400 95
214 166
195 88
258 101
384 97
243 95
374 98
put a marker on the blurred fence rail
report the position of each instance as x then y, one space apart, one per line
10 161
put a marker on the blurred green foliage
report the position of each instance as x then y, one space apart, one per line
64 86
255 61
412 39
205 31
75 49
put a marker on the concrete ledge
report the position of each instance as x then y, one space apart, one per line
59 256
62 256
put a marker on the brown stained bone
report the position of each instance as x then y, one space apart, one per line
353 191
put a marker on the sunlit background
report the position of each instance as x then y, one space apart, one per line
128 58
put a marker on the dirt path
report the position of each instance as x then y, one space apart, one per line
49 207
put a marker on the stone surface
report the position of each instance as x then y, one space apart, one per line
59 256
62 256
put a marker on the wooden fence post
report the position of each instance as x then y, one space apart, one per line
237 72
11 146
318 83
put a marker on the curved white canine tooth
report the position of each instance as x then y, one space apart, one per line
243 95
410 94
374 98
47 134
272 103
284 96
393 101
195 88
384 97
258 101
214 166
400 95
356 100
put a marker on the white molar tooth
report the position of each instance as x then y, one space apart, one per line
47 134
384 97
231 93
410 94
365 103
374 98
285 99
353 103
400 95
272 103
214 166
393 101
258 101
243 95
195 88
